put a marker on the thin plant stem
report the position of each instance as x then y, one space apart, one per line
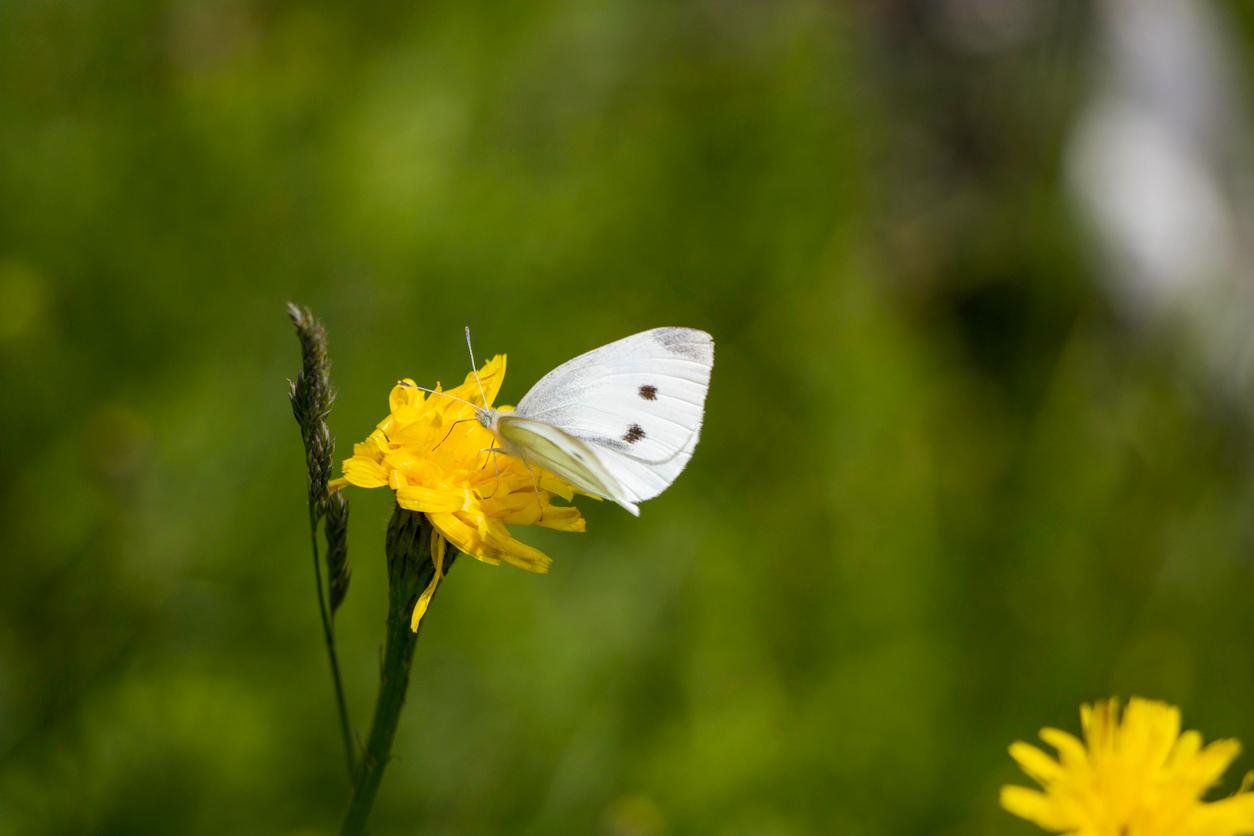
410 569
328 635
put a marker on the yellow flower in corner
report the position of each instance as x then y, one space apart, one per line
433 453
1135 776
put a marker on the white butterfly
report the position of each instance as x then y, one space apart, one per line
619 422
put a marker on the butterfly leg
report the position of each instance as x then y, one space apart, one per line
535 486
494 451
451 427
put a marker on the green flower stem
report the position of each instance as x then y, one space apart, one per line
410 570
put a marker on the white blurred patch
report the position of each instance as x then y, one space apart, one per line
1156 210
1155 166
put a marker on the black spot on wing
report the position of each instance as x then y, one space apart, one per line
649 393
634 433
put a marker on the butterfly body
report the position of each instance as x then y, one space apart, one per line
620 421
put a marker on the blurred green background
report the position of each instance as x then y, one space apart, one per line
966 463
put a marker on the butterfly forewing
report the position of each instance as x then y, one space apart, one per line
637 403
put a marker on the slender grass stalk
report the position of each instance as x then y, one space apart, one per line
312 396
328 636
410 569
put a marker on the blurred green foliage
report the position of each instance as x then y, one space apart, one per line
944 493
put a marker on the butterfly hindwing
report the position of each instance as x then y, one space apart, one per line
643 480
547 446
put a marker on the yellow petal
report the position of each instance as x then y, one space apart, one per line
365 473
424 600
466 538
1033 805
562 518
1214 759
1070 750
1186 749
403 396
515 552
428 500
366 450
1039 766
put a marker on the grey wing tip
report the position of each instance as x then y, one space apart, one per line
686 342
683 332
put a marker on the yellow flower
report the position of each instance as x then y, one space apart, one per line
1138 777
433 453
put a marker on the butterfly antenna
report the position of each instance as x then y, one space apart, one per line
474 367
434 392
